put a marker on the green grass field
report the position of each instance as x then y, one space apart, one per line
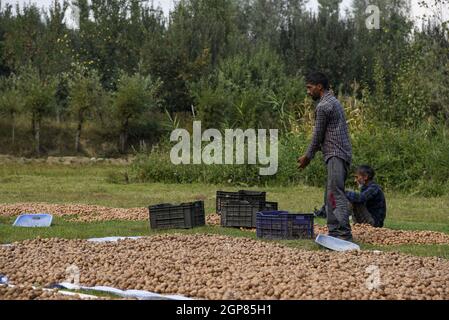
91 185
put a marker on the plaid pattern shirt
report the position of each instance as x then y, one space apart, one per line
331 133
372 196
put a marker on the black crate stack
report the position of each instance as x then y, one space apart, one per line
238 209
182 216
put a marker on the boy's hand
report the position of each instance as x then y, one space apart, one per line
303 162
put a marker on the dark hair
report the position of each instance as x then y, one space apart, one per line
316 78
366 170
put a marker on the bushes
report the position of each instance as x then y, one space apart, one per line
411 161
247 91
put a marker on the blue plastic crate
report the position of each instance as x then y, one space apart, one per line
284 225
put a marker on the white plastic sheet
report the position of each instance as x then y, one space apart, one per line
112 239
335 243
3 279
138 294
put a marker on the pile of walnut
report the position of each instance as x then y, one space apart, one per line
380 236
384 236
81 212
27 292
219 267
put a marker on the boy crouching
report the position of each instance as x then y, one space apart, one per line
368 206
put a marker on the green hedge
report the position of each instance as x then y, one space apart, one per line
413 161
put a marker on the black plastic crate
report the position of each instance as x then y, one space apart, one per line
270 206
239 214
244 195
284 225
252 196
223 197
182 216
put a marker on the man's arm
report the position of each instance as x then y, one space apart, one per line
318 132
362 197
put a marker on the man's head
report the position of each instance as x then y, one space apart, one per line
363 175
317 83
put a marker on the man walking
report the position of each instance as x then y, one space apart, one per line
331 136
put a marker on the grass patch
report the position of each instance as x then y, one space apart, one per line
422 250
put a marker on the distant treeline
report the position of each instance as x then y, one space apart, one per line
127 73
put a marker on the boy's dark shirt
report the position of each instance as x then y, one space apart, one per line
372 196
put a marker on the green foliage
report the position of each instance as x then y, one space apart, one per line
85 91
135 94
11 102
412 161
240 63
39 93
246 91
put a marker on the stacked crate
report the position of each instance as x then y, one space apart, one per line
182 216
238 209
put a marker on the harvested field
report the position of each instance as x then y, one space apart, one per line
80 212
221 267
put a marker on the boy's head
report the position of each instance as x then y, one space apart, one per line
364 174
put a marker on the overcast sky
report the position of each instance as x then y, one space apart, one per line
167 5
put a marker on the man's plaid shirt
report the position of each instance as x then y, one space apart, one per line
331 134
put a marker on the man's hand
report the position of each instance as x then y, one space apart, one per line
303 162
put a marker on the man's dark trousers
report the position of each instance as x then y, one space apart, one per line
336 201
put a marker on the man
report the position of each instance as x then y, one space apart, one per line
369 205
331 136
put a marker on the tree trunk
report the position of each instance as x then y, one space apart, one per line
78 132
77 138
58 116
13 124
33 124
37 128
124 136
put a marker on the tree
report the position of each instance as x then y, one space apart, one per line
24 44
135 94
11 103
39 99
85 94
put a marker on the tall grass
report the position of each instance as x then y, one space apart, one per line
412 161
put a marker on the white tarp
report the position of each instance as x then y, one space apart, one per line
138 294
3 279
112 239
335 243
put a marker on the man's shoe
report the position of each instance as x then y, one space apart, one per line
350 238
320 213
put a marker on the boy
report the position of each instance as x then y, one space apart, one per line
369 205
